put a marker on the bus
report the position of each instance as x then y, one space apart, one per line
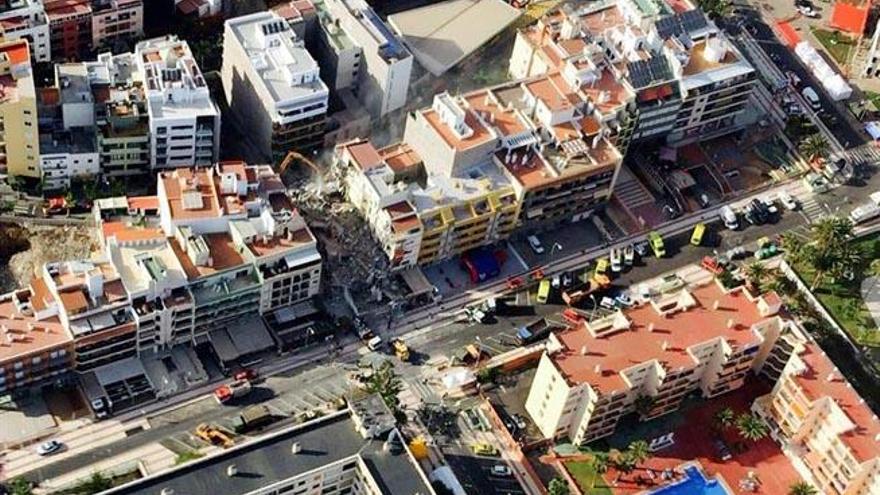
543 291
697 236
656 242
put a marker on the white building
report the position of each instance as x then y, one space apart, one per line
273 86
364 55
26 19
184 121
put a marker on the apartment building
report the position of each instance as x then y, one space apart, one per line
531 153
273 86
35 348
689 80
648 358
342 453
184 120
198 8
70 28
360 52
26 20
19 137
816 415
114 20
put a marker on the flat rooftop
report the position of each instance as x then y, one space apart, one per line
286 69
442 34
655 336
17 339
269 460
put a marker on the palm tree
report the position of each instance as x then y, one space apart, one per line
724 418
751 427
802 488
558 486
715 8
831 252
600 465
755 273
20 486
638 451
814 146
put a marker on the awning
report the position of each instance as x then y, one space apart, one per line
789 35
849 18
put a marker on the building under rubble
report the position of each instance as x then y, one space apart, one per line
547 147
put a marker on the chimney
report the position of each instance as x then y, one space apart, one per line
830 377
664 345
730 323
231 470
716 304
597 369
583 350
295 448
651 326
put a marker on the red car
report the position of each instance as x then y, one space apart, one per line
249 374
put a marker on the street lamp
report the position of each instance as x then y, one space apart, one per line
555 247
595 304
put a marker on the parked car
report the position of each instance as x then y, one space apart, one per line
567 279
629 255
728 216
623 299
616 260
535 244
722 450
641 248
49 447
812 98
788 201
501 470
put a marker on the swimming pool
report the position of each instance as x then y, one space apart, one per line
694 484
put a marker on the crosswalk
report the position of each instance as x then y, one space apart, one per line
811 209
864 154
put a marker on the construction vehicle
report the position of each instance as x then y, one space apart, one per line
572 297
293 155
572 316
484 449
373 341
214 436
401 350
251 418
226 393
712 265
533 332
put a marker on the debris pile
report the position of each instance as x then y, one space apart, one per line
47 243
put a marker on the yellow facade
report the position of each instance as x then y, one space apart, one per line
19 137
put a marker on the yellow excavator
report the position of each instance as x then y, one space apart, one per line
214 436
294 155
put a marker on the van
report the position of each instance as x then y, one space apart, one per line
728 216
697 235
543 292
812 98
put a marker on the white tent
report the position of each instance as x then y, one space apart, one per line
834 83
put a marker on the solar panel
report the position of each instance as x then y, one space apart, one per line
644 73
683 23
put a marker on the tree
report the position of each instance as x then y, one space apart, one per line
751 427
20 486
831 252
638 451
802 488
724 418
558 486
600 466
756 273
386 383
715 8
814 146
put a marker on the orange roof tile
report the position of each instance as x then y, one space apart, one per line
364 155
400 157
16 51
201 180
676 332
280 243
546 91
506 121
849 18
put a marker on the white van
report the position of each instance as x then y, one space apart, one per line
728 216
812 98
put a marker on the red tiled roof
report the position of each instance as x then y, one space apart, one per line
789 34
17 51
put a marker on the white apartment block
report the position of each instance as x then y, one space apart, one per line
820 420
648 358
184 121
26 19
273 86
371 61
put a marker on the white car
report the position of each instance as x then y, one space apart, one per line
770 204
556 282
608 303
616 260
629 255
788 201
807 11
535 244
50 447
501 470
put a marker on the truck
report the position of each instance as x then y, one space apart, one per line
373 342
401 350
251 418
572 297
864 213
226 393
533 332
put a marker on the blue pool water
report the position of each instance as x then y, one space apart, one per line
694 484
